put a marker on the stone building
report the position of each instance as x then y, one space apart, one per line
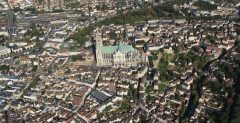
119 55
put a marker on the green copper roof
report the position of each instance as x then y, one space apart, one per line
120 47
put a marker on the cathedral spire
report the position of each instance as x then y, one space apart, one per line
98 38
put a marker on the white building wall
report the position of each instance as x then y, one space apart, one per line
5 51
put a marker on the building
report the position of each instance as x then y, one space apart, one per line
59 4
100 96
120 55
4 50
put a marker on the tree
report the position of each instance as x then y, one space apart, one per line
99 115
34 68
161 87
34 31
203 46
185 120
82 35
104 6
112 35
98 7
215 85
143 119
4 68
124 105
205 5
149 89
175 49
40 1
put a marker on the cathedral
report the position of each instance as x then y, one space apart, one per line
119 55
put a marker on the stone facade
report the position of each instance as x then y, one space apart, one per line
120 55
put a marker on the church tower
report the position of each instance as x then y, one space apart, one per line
99 43
98 39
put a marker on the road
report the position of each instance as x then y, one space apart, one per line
93 86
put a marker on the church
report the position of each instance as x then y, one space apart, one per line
119 55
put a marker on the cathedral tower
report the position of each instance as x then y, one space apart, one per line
99 43
98 39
